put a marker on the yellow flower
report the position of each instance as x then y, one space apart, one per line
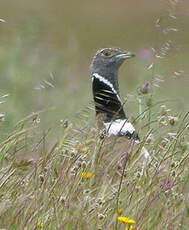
90 141
125 220
86 175
120 211
39 224
85 149
130 228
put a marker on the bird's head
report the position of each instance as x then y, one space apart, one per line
108 60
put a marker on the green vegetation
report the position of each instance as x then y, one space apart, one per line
56 170
77 182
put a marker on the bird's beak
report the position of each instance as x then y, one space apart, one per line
126 55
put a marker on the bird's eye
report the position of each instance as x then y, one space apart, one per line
106 53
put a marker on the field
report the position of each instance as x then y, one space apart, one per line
57 171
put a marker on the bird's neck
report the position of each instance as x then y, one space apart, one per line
109 74
106 96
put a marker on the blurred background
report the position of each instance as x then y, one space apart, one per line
46 48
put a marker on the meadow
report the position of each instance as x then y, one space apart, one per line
56 170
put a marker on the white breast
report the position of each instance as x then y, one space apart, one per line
123 127
119 127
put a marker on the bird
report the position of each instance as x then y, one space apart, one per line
110 115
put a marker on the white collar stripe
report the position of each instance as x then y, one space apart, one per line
105 81
119 126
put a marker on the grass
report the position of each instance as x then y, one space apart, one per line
79 182
66 176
